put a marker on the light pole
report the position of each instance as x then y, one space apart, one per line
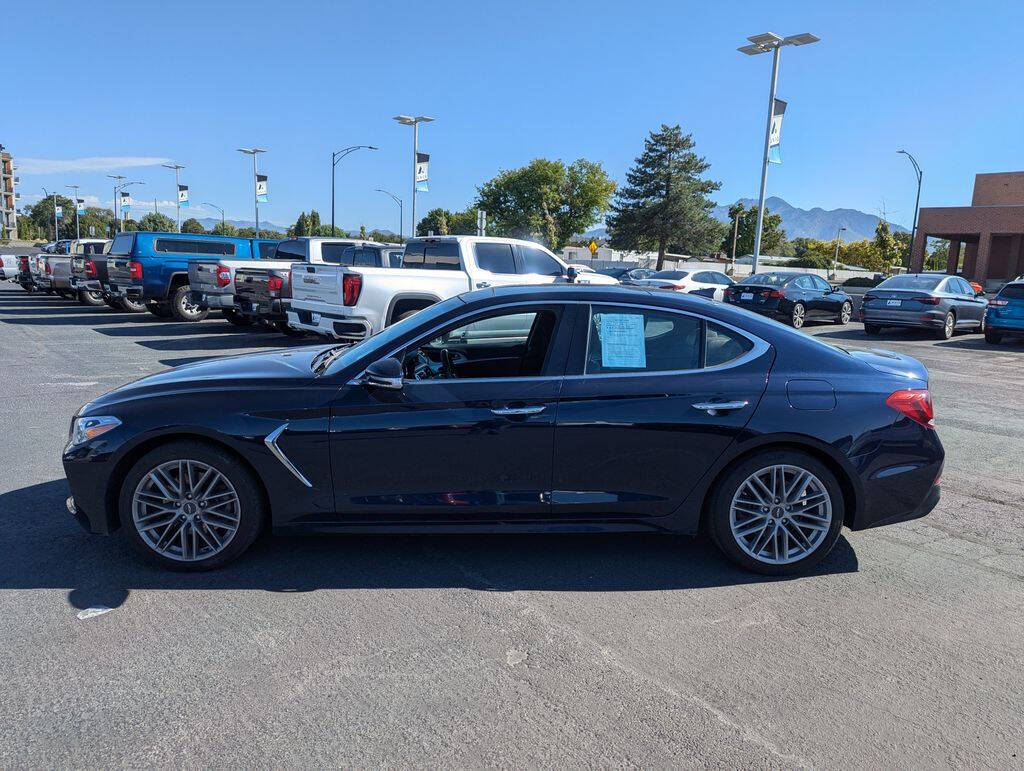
78 231
917 203
56 233
762 44
397 200
835 260
735 233
254 151
177 167
408 120
118 189
335 157
215 206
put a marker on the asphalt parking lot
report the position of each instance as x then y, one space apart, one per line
904 648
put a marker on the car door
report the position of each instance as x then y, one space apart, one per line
973 307
825 301
810 295
469 445
637 424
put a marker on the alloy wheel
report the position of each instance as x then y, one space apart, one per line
948 324
780 514
799 312
846 313
186 510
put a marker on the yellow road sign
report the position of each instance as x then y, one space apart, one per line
592 246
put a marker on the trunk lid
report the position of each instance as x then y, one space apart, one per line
891 363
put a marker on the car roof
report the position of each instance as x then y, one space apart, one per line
485 239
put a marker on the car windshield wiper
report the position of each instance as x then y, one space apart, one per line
323 359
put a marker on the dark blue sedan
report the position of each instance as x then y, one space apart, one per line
791 297
519 409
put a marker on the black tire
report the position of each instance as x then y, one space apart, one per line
981 325
160 310
406 315
236 318
252 508
66 294
993 338
93 299
182 307
134 306
798 315
719 511
284 329
872 329
845 313
113 302
948 325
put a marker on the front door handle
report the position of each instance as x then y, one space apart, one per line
518 410
715 408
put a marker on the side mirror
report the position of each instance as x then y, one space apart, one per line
980 293
386 373
570 274
835 287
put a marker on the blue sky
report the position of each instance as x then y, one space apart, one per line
506 82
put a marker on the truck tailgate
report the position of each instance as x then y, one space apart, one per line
317 284
202 277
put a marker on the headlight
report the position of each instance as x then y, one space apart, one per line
84 429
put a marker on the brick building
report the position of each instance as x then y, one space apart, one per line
8 214
990 230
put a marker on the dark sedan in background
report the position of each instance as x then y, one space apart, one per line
519 409
791 297
626 275
932 301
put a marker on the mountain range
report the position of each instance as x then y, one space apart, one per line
210 222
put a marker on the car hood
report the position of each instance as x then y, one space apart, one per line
891 363
267 369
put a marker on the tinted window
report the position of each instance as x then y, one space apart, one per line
723 345
820 283
767 279
333 252
1012 292
724 279
672 274
804 282
912 281
267 251
292 250
497 258
639 340
188 246
96 248
122 244
366 257
965 288
534 260
431 255
393 258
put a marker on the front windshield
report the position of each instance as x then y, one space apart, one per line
383 339
768 279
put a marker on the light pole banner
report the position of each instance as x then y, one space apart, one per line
81 206
126 202
59 212
182 195
422 171
775 135
261 188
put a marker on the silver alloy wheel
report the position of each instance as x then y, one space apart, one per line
949 323
189 307
780 514
798 315
846 313
186 510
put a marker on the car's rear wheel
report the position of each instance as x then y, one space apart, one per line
845 313
798 315
236 318
777 512
183 308
948 325
191 506
872 329
158 309
993 337
133 306
90 298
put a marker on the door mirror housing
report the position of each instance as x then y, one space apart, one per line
980 293
386 373
570 274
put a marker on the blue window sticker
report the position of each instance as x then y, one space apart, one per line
622 340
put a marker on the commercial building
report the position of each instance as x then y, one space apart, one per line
8 215
990 231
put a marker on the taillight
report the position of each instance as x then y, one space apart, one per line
775 294
915 403
998 302
274 283
48 268
868 298
351 286
90 269
928 300
286 288
223 276
135 270
678 287
23 263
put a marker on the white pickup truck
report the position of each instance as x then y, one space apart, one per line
352 303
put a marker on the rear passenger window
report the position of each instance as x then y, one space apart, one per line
497 258
188 246
291 250
624 339
723 345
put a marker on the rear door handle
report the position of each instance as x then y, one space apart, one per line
520 410
715 408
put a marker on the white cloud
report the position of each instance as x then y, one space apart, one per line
46 166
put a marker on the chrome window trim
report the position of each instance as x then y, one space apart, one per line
760 346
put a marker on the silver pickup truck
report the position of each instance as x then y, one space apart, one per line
213 282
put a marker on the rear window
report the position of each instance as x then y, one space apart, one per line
1012 292
366 257
909 281
267 251
333 251
672 274
122 244
768 279
431 255
188 246
292 250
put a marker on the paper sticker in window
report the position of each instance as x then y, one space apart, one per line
622 340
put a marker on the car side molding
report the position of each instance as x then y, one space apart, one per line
271 442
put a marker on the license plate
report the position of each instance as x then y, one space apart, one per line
746 295
894 303
314 318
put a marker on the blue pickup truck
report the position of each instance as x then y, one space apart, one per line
153 267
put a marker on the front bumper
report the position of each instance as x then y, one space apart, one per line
332 325
87 469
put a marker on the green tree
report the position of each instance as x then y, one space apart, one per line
192 225
251 233
772 234
939 255
314 223
41 214
463 223
665 202
157 223
362 232
301 226
547 199
224 229
435 221
887 246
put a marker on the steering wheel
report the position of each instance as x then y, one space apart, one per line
447 364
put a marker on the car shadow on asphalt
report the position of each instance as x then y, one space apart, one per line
225 342
41 546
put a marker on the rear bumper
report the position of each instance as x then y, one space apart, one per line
272 310
131 291
87 284
1004 326
215 301
915 319
334 325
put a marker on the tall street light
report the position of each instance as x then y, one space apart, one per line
397 200
408 120
335 157
78 231
762 44
835 260
917 203
254 151
177 194
117 189
215 206
56 233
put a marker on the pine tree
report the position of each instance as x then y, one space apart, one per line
301 225
314 222
665 203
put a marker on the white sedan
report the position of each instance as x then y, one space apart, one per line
710 283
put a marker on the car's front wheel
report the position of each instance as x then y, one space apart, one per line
777 512
183 308
191 506
845 313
